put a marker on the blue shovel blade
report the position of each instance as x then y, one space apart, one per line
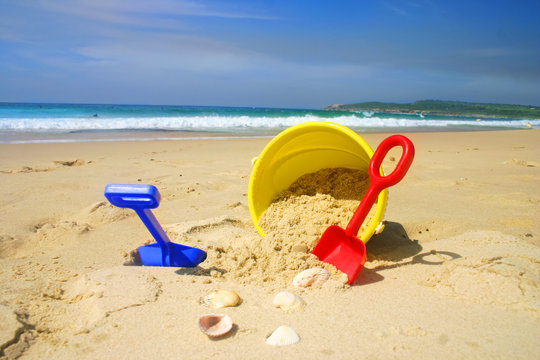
185 256
179 255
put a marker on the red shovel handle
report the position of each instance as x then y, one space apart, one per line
377 182
383 182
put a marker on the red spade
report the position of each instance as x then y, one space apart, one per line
340 247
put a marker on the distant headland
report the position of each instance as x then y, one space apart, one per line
441 107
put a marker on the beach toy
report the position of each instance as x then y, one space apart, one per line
306 148
163 252
340 247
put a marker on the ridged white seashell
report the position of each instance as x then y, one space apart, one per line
221 299
287 300
215 325
282 336
310 277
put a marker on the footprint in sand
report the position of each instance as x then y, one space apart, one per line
45 235
102 213
48 233
523 163
63 163
94 296
213 230
25 170
495 269
205 234
70 163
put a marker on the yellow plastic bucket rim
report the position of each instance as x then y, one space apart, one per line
375 226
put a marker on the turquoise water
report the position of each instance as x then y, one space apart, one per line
21 123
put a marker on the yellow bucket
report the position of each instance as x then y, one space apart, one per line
303 149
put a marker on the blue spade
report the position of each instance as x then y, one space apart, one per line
163 252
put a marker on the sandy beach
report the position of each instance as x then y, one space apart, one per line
455 274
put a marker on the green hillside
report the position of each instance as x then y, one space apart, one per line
440 107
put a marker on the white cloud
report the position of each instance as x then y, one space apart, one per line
395 9
187 53
133 11
168 52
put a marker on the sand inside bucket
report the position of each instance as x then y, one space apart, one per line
293 224
300 214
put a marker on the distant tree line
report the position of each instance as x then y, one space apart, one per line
440 107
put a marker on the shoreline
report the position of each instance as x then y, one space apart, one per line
183 135
454 274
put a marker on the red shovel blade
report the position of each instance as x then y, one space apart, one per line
345 252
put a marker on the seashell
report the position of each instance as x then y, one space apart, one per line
215 325
310 277
221 299
287 300
283 336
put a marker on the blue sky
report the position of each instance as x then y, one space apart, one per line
301 54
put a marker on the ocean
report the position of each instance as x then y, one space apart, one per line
49 123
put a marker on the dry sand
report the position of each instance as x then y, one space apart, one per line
455 274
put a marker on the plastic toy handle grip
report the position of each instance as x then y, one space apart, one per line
133 196
377 182
383 182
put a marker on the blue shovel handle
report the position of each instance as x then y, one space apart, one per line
141 198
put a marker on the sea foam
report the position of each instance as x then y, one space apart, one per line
194 123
